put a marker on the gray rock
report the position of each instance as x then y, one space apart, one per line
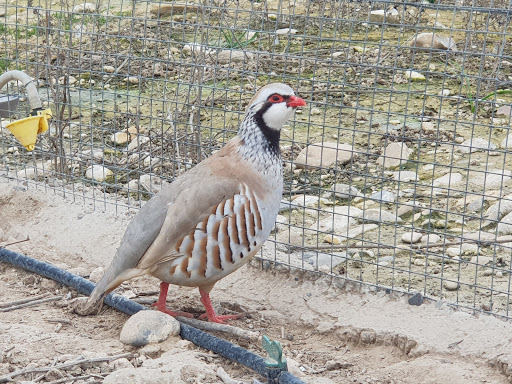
476 144
325 259
481 260
507 142
307 201
505 225
433 41
411 237
98 173
148 327
431 238
492 179
286 206
416 299
476 205
378 215
227 56
343 217
395 155
324 155
151 183
500 209
84 8
344 191
450 179
380 16
405 176
451 285
384 196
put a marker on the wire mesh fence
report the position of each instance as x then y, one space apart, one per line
397 174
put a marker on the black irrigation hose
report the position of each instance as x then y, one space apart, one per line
199 338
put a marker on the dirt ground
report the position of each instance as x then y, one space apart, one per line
333 333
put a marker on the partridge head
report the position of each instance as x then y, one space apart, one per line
214 218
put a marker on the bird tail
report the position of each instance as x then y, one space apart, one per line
110 281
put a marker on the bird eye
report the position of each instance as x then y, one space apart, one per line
276 99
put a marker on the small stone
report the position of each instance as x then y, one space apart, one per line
286 31
380 16
120 363
332 365
488 272
344 191
476 144
431 238
451 285
415 76
492 178
416 299
331 239
499 274
459 139
453 251
427 126
450 179
444 92
315 111
396 154
227 56
377 215
109 69
324 155
500 209
507 142
97 274
419 262
481 260
98 173
307 201
84 8
505 225
148 327
411 237
405 176
384 196
120 138
132 80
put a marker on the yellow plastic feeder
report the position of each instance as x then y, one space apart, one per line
27 129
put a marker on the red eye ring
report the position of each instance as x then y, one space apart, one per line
276 98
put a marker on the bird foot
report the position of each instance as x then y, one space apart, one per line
221 319
163 308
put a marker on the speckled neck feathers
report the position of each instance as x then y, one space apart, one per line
259 143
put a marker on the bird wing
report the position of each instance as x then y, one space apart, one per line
189 211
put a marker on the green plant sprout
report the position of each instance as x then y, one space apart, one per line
236 40
471 100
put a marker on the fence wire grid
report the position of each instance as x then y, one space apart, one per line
397 173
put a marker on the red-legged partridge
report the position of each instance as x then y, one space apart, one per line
214 218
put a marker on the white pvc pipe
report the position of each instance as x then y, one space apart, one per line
33 95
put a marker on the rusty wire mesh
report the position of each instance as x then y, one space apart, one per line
397 174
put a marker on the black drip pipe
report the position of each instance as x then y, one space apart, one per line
196 336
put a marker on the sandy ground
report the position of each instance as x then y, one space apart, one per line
333 332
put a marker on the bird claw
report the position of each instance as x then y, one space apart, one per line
163 308
220 319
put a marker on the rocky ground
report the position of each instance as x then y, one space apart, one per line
332 331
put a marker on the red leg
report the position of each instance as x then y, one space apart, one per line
210 313
162 300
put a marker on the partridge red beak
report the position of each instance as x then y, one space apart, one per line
296 102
